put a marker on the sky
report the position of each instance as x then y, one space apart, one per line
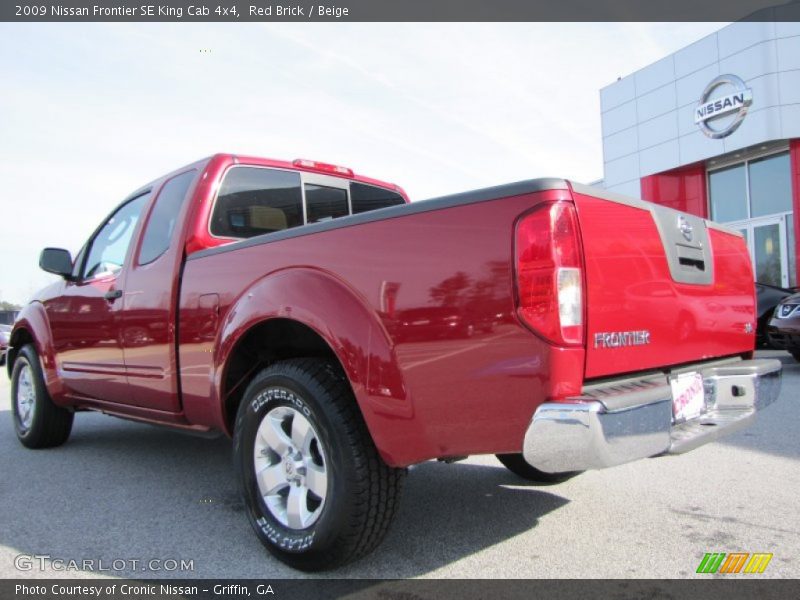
90 112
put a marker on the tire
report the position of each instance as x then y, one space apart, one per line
516 464
762 339
795 354
342 495
38 422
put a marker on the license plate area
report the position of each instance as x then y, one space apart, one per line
688 397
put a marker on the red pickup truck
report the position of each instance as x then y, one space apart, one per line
340 334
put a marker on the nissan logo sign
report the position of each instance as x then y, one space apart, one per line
712 110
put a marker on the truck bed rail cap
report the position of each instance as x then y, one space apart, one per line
497 192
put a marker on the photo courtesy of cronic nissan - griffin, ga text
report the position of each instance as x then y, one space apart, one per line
340 334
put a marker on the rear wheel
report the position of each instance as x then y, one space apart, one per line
762 339
517 464
316 490
38 422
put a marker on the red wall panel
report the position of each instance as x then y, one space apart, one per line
794 160
683 189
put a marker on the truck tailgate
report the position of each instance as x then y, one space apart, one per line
663 287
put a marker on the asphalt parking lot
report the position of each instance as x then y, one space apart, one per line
120 491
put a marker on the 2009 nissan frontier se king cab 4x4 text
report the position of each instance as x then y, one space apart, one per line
341 334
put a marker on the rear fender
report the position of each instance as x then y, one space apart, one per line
350 328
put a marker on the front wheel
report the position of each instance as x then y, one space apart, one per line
316 490
38 422
517 464
795 354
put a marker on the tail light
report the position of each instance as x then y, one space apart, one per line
313 165
549 265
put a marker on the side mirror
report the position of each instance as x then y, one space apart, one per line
56 260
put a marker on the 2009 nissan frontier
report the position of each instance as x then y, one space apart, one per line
340 334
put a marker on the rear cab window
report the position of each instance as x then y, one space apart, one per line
258 200
324 203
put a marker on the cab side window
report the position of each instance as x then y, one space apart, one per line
163 216
107 250
368 197
253 201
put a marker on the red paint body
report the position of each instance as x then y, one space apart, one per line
419 309
630 288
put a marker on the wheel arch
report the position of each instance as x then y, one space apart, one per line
264 343
33 327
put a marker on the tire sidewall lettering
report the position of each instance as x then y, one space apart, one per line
274 394
288 542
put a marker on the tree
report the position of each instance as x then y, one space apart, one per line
450 291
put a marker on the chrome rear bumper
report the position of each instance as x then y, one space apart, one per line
623 421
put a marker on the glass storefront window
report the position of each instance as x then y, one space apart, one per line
767 239
755 197
770 185
728 193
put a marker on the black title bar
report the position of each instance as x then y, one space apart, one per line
419 589
396 10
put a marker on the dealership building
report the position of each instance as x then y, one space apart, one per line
714 130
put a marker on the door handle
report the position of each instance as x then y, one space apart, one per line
112 295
